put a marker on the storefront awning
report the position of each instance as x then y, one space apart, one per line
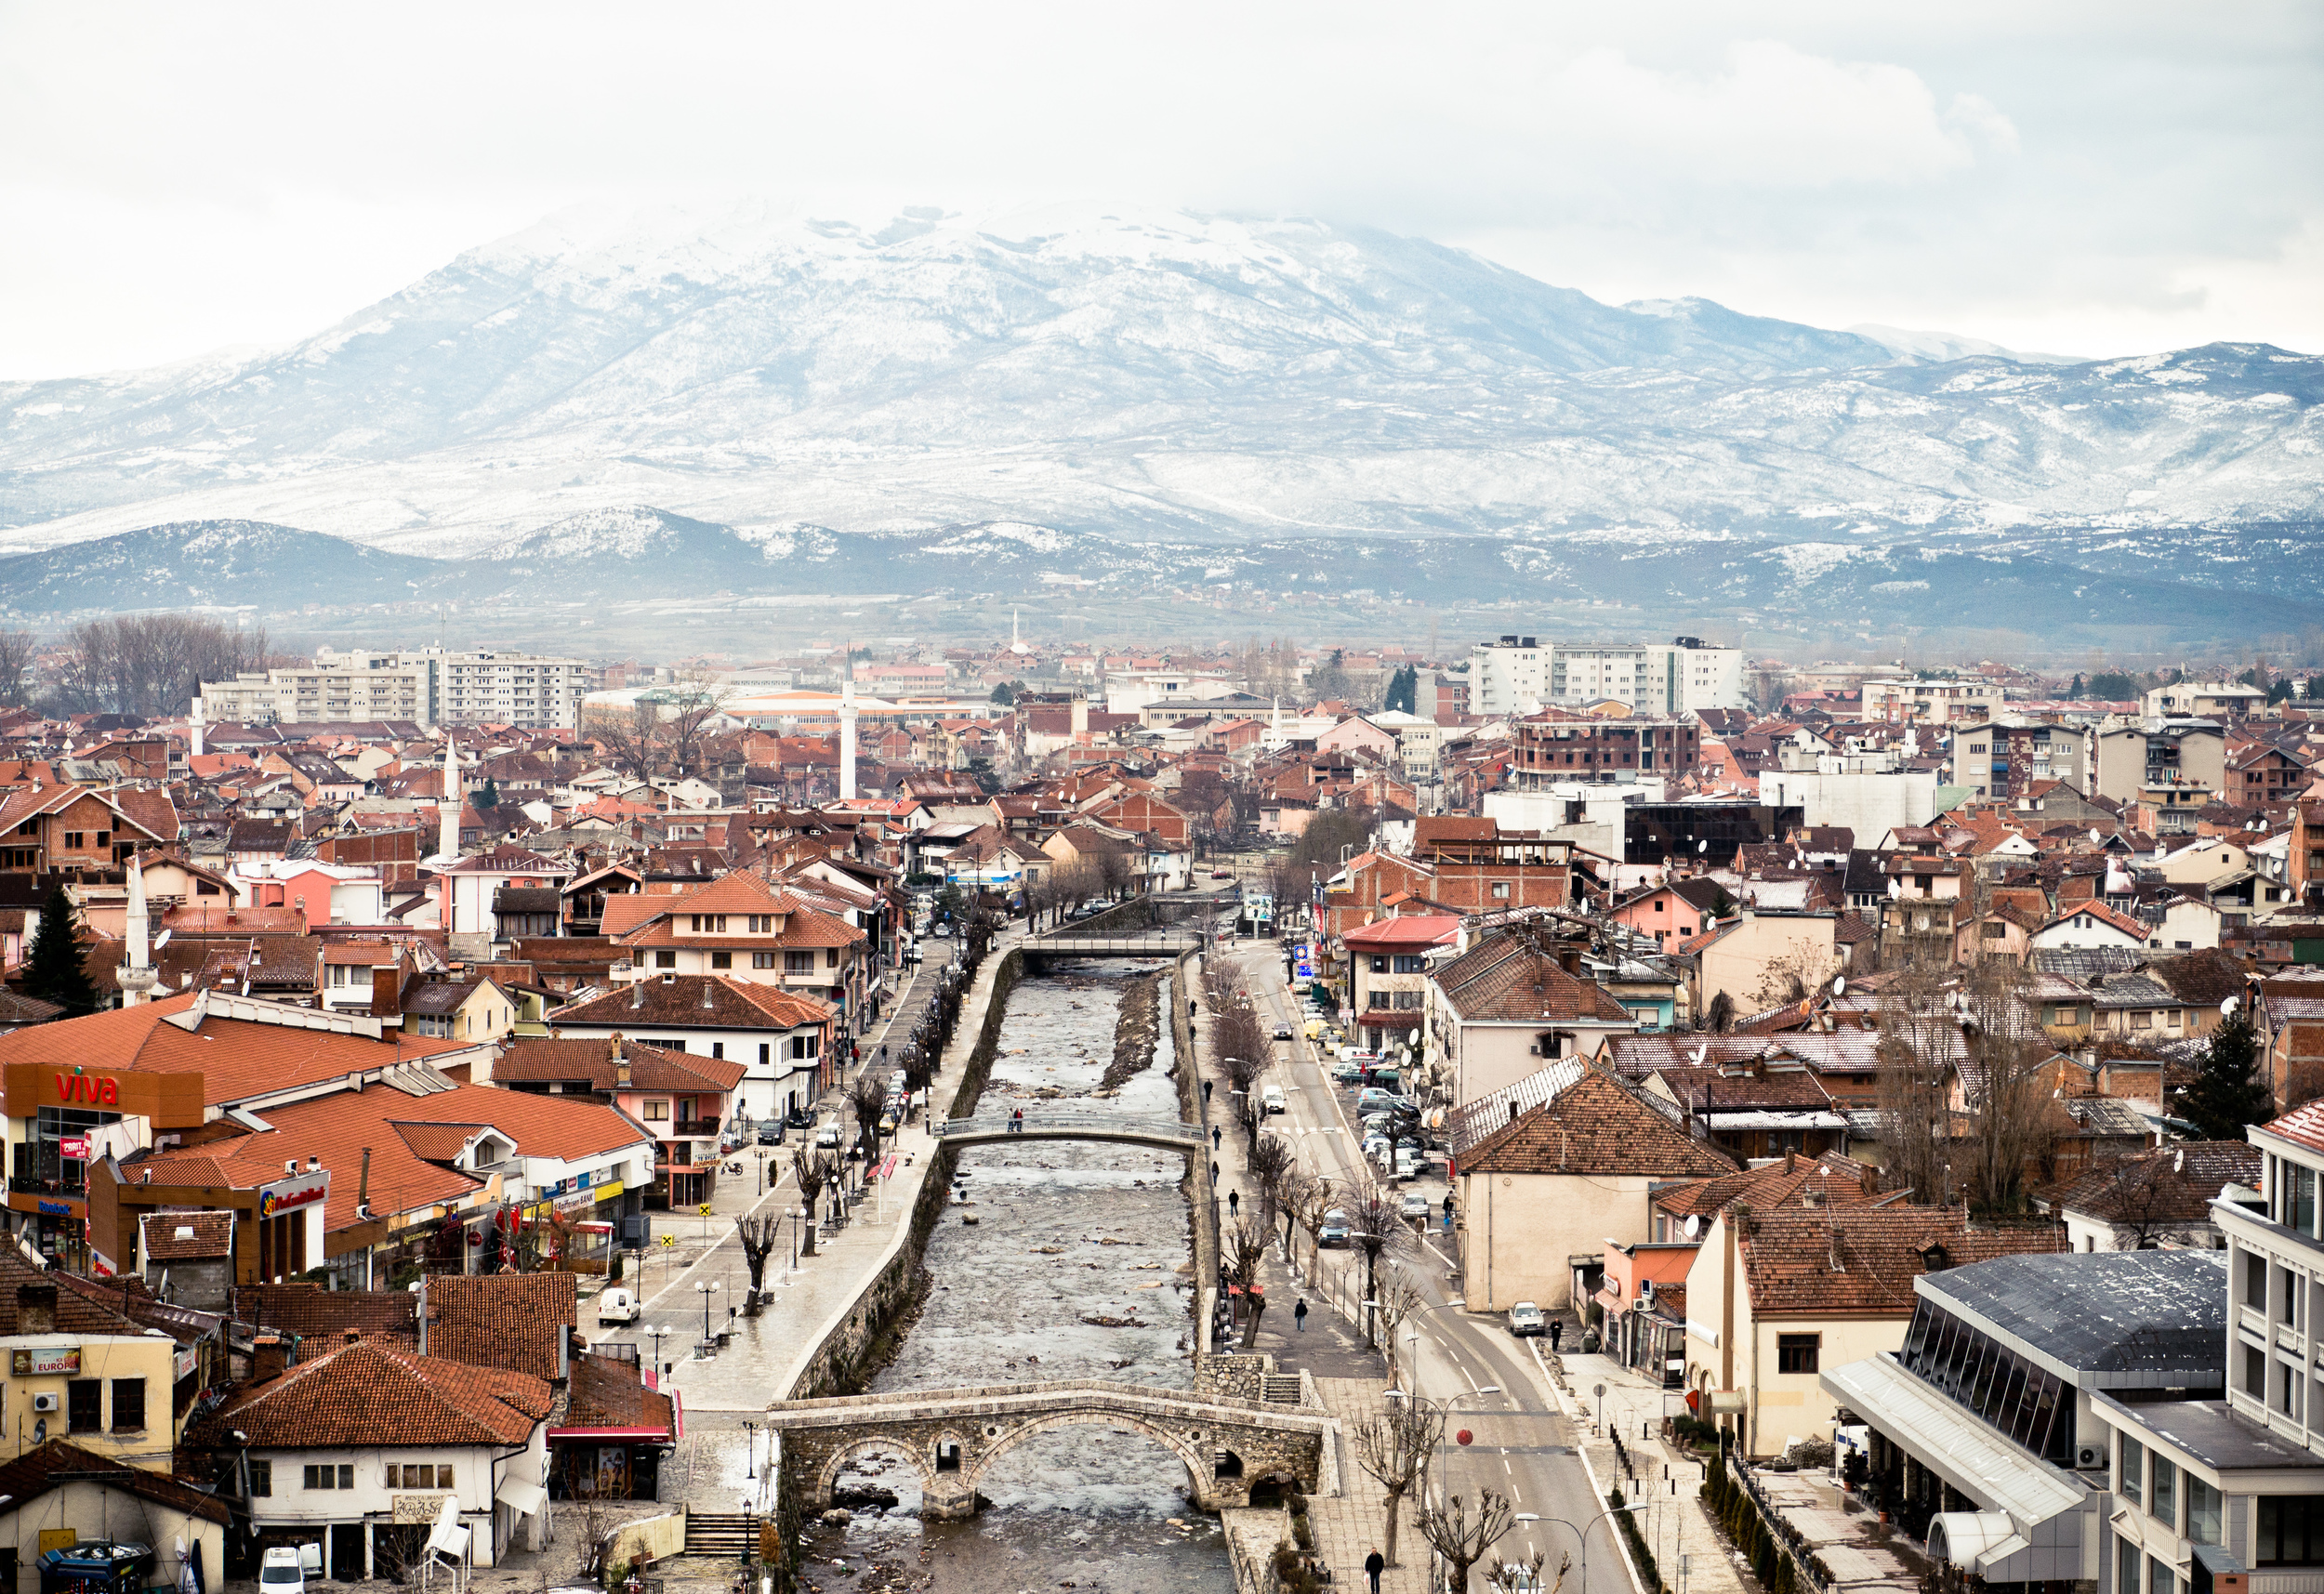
1971 1538
525 1499
2018 1494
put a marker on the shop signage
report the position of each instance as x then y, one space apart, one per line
74 1147
46 1361
181 1363
95 1089
422 1509
289 1194
56 1208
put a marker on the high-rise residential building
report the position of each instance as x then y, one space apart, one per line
428 686
1679 676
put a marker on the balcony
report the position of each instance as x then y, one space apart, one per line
28 1184
695 1129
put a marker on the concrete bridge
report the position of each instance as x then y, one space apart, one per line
1165 942
1229 1446
1165 1134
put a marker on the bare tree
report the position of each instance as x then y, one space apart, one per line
696 699
1461 1539
1393 1447
16 648
1246 1250
760 1233
1318 1195
1919 1047
1397 1300
631 737
2006 1085
1376 1228
1271 1162
813 1170
1525 1576
867 1099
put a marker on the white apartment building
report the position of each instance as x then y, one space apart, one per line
430 686
1930 702
1683 676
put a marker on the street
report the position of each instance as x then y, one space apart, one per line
1523 1446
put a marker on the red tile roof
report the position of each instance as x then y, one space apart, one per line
537 1060
1595 1126
1860 1262
509 1320
675 1001
371 1396
1404 930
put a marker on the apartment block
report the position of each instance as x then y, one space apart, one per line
2004 757
430 686
1683 676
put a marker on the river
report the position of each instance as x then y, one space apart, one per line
1080 1265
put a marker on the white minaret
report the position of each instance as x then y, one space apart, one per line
448 810
847 729
194 724
135 974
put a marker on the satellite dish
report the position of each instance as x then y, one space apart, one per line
2227 1007
1694 1227
1839 984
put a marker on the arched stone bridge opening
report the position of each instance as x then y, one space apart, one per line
951 1437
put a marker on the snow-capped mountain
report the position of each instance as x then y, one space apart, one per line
683 400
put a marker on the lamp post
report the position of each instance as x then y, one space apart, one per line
1581 1534
708 1288
657 1336
798 1215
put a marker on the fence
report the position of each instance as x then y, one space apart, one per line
1778 1551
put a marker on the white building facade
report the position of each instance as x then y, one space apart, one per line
1684 674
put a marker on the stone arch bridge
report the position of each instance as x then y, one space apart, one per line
949 1437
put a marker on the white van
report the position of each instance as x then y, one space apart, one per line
618 1306
1271 1099
286 1568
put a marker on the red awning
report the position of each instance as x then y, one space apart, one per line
644 1435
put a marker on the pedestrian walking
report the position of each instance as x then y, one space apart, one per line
1233 1202
1299 1314
1557 1327
1214 1132
1375 1563
1205 1093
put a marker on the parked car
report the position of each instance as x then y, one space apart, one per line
1374 1099
1408 1161
1526 1320
1359 1055
1271 1099
1335 1229
798 1118
1375 1147
285 1567
1418 1206
618 1306
769 1131
941 932
1347 1073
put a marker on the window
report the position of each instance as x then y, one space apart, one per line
2255 1372
261 1480
803 1046
2160 1577
84 1406
72 838
763 924
1500 890
2163 1491
1380 964
665 960
327 1476
831 958
2203 1514
128 1405
2255 1281
721 960
420 1477
798 963
657 1112
718 1049
2302 1214
2126 1554
762 960
2292 1531
764 1053
1796 1353
2133 1459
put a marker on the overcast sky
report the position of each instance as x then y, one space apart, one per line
2097 178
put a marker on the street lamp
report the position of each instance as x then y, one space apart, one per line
798 1215
708 1288
657 1336
1581 1534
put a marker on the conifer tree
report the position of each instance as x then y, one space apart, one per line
53 971
2227 1095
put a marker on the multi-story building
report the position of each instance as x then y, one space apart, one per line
1683 676
2005 755
1558 745
1930 702
430 686
2143 758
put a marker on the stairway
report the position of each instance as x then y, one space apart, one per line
725 1537
1282 1389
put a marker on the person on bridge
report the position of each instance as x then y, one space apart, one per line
1016 1122
1375 1564
1299 1314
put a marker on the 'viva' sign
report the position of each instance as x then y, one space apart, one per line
97 1091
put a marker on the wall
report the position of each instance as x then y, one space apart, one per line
104 1357
96 1512
293 1507
654 1538
1518 1229
1868 804
1739 960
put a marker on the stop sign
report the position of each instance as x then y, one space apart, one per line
1461 1437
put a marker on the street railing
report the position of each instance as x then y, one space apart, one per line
1097 1125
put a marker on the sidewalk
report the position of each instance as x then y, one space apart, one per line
1667 1476
767 1354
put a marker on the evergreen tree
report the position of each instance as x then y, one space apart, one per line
487 797
2075 690
2226 1096
1404 688
52 969
1004 695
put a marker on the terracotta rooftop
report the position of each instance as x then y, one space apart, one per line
311 1311
371 1395
675 1001
2174 1184
509 1320
1832 1179
1504 978
1860 1262
1596 1125
186 1236
537 1060
59 1462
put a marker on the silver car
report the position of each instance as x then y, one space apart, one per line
1526 1320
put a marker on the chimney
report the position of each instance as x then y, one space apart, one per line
314 1165
621 1064
387 991
37 1308
354 1337
363 1186
637 994
267 1358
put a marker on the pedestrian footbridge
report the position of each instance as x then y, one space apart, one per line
1230 1447
1165 1134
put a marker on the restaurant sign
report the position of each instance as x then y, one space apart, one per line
289 1194
46 1361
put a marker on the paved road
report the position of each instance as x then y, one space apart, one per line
1523 1446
